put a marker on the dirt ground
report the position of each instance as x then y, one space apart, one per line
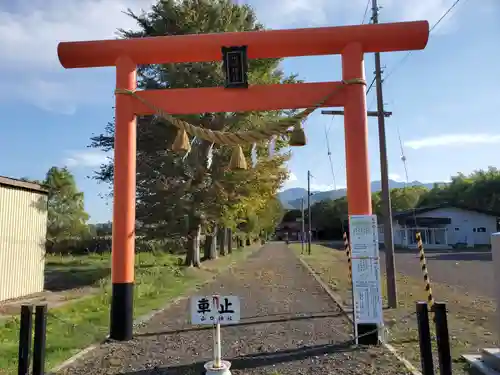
463 286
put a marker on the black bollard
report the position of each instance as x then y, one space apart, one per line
424 339
442 338
40 340
25 340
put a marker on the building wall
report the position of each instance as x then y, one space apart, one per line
466 227
23 227
463 223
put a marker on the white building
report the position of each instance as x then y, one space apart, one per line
443 226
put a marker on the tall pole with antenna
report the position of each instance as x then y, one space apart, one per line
303 233
392 298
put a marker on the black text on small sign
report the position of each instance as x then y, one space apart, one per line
212 309
235 63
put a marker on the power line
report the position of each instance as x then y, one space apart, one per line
366 12
444 15
398 64
391 72
401 62
330 159
371 85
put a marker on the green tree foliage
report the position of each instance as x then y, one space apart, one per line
401 198
67 218
178 194
480 189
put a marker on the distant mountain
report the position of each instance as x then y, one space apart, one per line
292 194
291 198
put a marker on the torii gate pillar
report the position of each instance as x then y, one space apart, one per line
125 54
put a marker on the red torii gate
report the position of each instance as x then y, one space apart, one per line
349 41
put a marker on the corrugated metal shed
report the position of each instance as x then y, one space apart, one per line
23 228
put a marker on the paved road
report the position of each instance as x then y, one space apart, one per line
289 326
472 271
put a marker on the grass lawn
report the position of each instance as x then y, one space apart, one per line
84 321
471 319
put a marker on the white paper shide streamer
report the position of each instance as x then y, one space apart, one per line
254 155
210 156
187 153
272 146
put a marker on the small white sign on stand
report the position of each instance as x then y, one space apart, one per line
365 261
215 310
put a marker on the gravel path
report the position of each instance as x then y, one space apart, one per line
289 325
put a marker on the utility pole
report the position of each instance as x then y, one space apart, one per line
392 297
309 212
302 239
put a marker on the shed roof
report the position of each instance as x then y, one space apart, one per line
22 185
422 210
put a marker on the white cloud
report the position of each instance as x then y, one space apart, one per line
453 140
28 40
396 177
281 14
31 30
29 37
326 187
87 158
292 182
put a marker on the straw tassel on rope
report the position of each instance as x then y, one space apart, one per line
181 142
297 137
236 139
238 160
244 137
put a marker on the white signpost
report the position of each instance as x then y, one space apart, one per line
215 310
365 261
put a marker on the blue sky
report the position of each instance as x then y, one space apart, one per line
444 99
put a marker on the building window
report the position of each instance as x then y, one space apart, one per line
457 229
481 230
474 230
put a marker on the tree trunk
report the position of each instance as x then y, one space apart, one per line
213 244
248 241
229 241
193 251
238 242
222 241
206 246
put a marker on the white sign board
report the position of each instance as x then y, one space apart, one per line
363 233
215 309
367 294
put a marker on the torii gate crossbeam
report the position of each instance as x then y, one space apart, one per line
349 41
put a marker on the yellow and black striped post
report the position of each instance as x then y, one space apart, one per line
347 249
423 265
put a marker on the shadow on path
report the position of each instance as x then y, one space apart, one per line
242 324
250 361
